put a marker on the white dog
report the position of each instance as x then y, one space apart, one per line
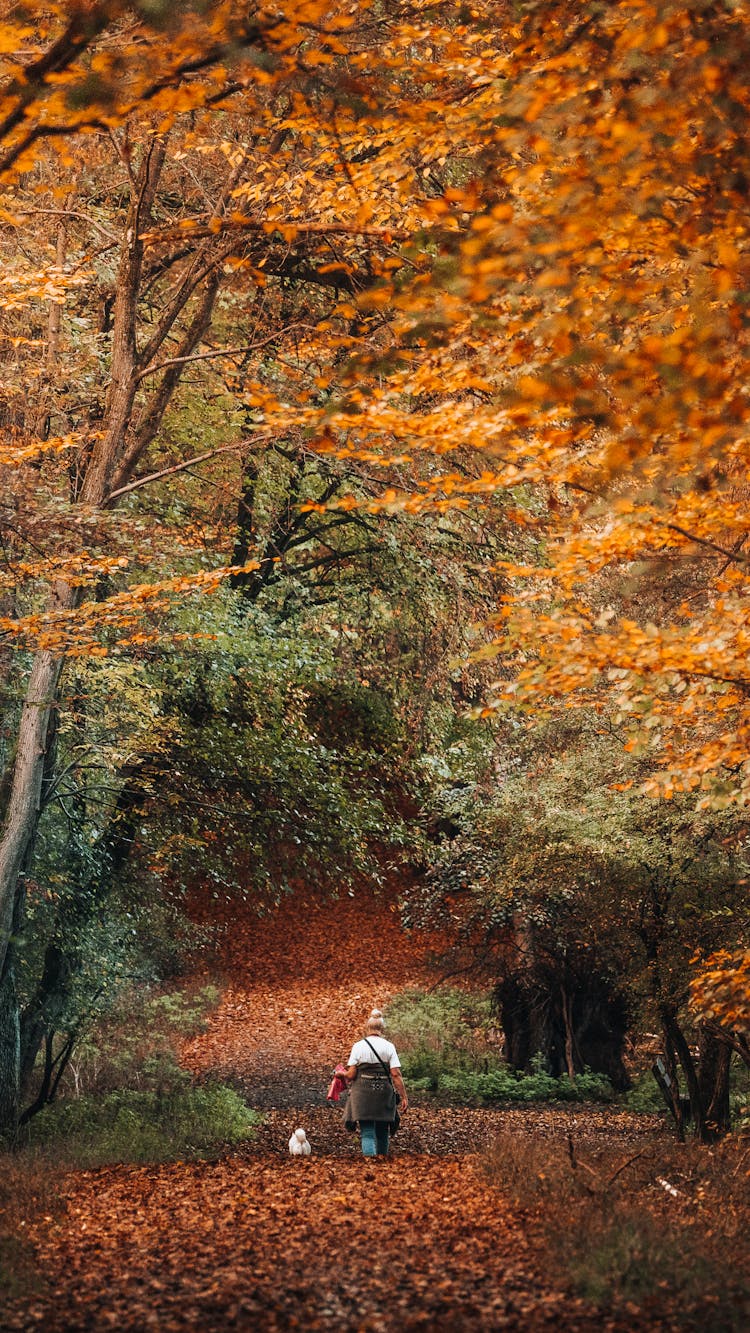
299 1145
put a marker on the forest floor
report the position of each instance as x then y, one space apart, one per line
257 1240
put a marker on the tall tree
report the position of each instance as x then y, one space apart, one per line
530 225
295 88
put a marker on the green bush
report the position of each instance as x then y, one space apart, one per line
505 1085
134 1043
439 1033
449 1045
645 1096
144 1126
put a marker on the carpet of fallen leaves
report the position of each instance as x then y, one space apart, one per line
300 982
257 1240
416 1242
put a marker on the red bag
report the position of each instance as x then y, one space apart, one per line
337 1085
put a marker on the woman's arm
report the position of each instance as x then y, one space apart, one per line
398 1084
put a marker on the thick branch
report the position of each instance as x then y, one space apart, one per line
204 262
287 230
122 388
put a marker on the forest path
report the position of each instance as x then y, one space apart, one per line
299 983
260 1241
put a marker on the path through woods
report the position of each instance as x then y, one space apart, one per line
260 1241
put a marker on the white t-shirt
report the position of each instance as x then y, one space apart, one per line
362 1055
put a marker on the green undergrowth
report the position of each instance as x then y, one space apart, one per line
505 1085
645 1097
125 1096
139 1126
449 1045
622 1256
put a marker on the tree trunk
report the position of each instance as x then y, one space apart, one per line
123 385
40 1020
25 798
35 737
568 1025
10 1047
42 1015
113 455
715 1057
673 1089
24 801
573 1022
675 1035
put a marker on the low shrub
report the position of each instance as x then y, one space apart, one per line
645 1096
144 1126
28 1190
126 1098
660 1228
622 1255
442 1032
529 1169
505 1085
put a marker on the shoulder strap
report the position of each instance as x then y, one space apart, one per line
377 1057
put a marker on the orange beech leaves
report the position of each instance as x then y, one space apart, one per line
720 992
537 226
584 330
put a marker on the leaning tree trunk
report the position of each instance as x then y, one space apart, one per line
62 961
22 817
119 447
707 1079
674 1035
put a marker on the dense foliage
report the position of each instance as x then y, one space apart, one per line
341 344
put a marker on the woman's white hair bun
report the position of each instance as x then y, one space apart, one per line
376 1013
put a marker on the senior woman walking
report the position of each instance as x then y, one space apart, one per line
374 1074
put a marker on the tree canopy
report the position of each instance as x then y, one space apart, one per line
410 334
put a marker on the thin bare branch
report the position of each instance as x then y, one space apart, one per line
731 555
69 213
223 351
289 230
181 467
123 155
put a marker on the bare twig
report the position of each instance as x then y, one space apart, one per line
180 467
69 213
270 228
222 351
624 1167
730 555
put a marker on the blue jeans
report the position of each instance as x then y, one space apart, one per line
374 1135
